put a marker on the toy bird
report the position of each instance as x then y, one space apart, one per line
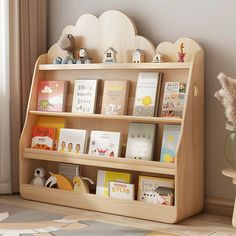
80 185
39 177
61 181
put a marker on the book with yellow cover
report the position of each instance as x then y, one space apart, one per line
105 177
53 122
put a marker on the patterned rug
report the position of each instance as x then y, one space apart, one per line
19 221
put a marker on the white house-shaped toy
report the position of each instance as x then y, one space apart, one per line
138 56
110 55
158 58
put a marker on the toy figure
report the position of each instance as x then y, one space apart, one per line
181 53
83 57
138 56
39 177
61 181
158 58
81 185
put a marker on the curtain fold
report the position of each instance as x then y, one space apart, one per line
27 41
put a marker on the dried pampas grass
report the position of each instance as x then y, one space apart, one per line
227 96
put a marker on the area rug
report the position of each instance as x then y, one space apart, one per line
20 221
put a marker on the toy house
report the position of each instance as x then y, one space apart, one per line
138 56
158 58
110 55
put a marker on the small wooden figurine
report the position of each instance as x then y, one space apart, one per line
138 56
158 58
80 184
67 43
110 55
61 181
83 57
181 53
39 177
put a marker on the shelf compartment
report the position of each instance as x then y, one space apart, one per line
153 120
89 160
94 202
117 66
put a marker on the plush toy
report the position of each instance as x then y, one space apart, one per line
39 177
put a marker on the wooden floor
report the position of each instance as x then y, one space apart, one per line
203 224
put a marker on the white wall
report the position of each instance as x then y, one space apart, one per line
211 23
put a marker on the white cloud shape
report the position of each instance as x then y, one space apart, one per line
46 89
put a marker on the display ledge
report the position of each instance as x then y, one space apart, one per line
89 160
153 120
117 66
94 202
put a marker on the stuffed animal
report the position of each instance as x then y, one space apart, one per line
39 177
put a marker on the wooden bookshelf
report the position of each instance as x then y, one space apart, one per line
187 171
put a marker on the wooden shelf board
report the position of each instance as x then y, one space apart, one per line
115 163
117 66
130 208
156 120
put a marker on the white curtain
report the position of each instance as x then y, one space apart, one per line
5 145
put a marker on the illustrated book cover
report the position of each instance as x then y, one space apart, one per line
105 144
85 92
147 94
72 140
115 97
43 138
105 177
53 122
173 99
121 190
156 190
52 95
140 144
169 143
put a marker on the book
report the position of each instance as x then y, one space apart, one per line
155 190
51 95
85 92
121 190
53 122
105 177
147 94
169 143
72 140
43 138
115 97
105 144
69 170
141 138
173 99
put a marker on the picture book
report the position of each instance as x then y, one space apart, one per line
147 94
69 170
155 190
173 99
169 143
72 140
140 144
43 138
52 95
105 144
115 97
53 122
105 177
85 92
121 190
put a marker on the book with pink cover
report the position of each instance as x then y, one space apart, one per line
51 95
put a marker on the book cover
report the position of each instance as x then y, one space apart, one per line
173 99
115 97
69 170
121 190
85 92
54 122
147 94
149 189
52 95
140 144
72 140
169 143
105 144
43 138
105 177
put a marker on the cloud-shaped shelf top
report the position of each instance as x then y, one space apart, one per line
115 29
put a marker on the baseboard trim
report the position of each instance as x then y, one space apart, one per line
220 206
